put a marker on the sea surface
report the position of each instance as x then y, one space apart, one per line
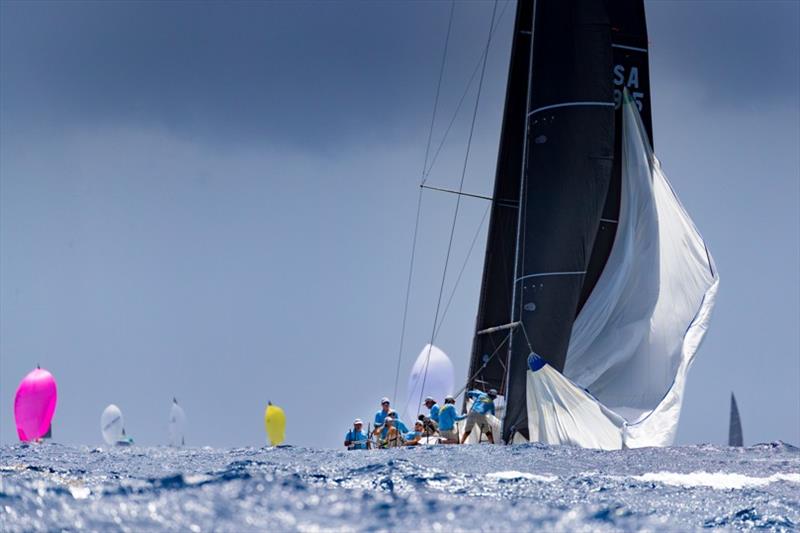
438 488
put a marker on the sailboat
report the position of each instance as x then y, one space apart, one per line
35 405
177 424
597 287
735 427
112 426
275 424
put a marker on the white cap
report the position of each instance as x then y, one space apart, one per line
358 421
385 400
449 398
492 392
430 399
388 419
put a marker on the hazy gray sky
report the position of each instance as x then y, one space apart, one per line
215 201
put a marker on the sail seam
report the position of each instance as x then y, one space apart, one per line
634 48
543 274
569 104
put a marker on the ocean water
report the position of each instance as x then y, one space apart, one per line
439 488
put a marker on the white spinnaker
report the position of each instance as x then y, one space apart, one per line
438 381
635 338
177 425
112 424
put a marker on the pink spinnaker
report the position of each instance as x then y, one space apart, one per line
34 404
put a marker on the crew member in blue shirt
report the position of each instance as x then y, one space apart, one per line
357 438
398 423
482 407
447 421
383 413
413 437
431 404
390 436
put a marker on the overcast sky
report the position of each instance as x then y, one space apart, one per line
216 201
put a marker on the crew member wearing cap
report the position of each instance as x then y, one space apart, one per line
413 437
447 421
431 404
383 413
357 438
482 407
389 436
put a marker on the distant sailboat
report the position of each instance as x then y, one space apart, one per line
35 404
177 424
275 424
735 428
112 426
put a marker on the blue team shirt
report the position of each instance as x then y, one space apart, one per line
435 413
400 426
448 417
481 402
380 416
358 439
411 435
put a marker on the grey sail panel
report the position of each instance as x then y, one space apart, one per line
629 48
567 171
498 267
735 428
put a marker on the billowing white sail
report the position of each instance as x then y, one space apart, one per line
177 424
436 381
112 424
635 338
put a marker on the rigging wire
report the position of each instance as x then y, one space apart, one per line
481 59
458 201
419 199
461 273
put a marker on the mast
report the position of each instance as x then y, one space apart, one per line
497 284
567 170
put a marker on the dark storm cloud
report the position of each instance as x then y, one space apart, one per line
298 72
747 51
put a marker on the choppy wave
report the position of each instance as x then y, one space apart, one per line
717 480
437 488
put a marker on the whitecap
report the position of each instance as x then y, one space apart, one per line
716 480
515 474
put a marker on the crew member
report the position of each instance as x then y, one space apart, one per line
413 437
389 436
447 421
383 413
357 438
431 404
397 422
482 406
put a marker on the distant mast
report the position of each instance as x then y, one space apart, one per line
735 428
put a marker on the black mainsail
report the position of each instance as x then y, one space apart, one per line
597 288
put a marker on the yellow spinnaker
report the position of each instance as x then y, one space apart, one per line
275 422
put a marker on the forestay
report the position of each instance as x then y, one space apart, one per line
635 338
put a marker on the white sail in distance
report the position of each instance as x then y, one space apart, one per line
177 424
112 424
